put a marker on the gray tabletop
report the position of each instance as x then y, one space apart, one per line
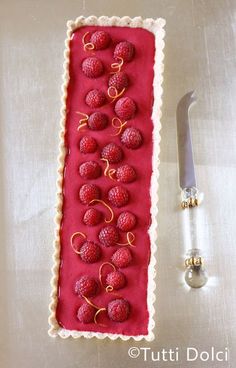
200 54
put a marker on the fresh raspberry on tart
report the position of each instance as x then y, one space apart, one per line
86 286
116 279
118 310
92 217
125 174
100 40
131 138
90 170
125 108
119 81
122 257
87 144
90 252
112 152
88 192
126 221
108 236
95 98
97 121
86 313
92 67
118 196
124 50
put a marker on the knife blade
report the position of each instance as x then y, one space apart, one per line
187 178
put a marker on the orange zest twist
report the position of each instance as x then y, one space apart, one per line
130 239
88 46
97 312
108 172
108 288
117 66
83 121
78 233
116 93
106 205
118 126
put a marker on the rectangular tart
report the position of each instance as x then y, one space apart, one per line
104 252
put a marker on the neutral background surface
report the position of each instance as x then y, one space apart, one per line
200 53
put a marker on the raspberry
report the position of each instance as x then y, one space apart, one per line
86 313
100 40
126 221
90 252
90 170
119 81
88 192
118 196
121 258
95 98
131 138
86 286
92 67
125 174
125 108
124 50
112 153
118 310
108 236
87 145
97 121
116 279
92 217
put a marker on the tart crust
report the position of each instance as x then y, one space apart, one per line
155 26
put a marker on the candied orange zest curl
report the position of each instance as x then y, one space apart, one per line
84 121
90 303
108 172
117 66
100 271
88 46
111 172
116 93
78 233
108 288
106 205
118 126
130 239
96 314
107 166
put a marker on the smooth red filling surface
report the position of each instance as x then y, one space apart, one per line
140 72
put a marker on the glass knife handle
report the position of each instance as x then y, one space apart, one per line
191 197
195 272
